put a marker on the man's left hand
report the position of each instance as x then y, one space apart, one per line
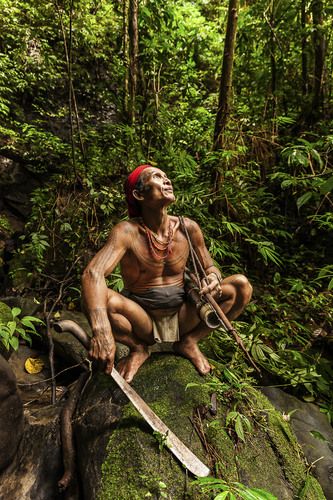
211 285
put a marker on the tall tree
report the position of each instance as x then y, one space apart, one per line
226 75
319 52
305 88
125 52
133 55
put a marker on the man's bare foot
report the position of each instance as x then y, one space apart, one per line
189 348
127 367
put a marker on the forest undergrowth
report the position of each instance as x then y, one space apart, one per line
263 200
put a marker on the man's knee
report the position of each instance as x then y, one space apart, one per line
243 287
114 302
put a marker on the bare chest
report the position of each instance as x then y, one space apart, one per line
144 266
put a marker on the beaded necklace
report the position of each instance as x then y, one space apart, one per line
152 244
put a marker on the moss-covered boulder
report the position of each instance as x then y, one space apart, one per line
120 458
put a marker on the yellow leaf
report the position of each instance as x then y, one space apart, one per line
71 306
33 365
57 314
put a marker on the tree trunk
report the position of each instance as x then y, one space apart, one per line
226 76
133 53
273 61
319 51
70 93
305 88
125 53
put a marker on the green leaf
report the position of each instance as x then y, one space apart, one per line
16 311
231 416
317 157
4 342
191 384
64 227
327 186
262 494
222 496
12 326
208 480
14 342
27 337
246 494
246 423
277 277
5 334
32 318
317 435
239 428
330 285
28 324
286 184
305 488
303 199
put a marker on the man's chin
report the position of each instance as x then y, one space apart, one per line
172 199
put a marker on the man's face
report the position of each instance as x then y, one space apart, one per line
158 184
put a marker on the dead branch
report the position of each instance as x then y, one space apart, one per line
67 435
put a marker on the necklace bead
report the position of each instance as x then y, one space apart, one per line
151 243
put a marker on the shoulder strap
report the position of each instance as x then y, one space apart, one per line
195 259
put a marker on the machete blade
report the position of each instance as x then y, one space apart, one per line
186 457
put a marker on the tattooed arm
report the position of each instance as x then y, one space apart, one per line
213 275
95 296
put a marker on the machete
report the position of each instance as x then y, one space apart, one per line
184 455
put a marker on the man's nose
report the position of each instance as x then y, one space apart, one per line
167 181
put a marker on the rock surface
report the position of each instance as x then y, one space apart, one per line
28 307
65 344
120 459
37 466
308 418
11 414
30 385
130 465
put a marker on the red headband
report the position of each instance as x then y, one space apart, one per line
130 184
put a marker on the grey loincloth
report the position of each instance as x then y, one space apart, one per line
162 304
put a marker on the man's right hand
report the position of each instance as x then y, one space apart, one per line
102 353
102 346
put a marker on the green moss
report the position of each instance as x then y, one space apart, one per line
5 313
288 452
270 458
134 451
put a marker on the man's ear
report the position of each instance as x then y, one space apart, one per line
138 196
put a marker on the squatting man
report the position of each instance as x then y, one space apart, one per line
152 251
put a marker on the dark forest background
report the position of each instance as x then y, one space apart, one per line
241 122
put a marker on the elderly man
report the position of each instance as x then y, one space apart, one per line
152 251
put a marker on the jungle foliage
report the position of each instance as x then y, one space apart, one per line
263 200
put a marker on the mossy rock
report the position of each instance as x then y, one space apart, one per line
135 466
132 465
5 313
269 458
